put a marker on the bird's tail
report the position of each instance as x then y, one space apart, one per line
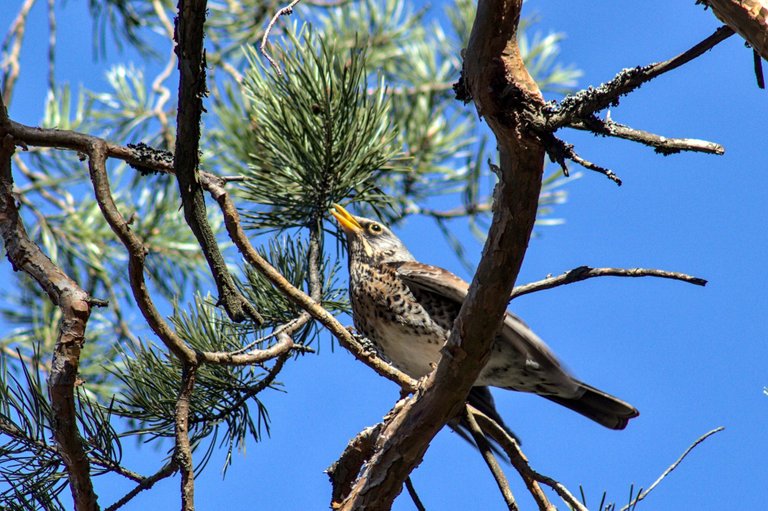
602 408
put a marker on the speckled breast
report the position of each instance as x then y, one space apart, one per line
399 324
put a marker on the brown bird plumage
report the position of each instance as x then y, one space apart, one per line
407 309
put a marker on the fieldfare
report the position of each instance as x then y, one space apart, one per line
407 309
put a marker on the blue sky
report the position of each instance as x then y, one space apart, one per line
689 358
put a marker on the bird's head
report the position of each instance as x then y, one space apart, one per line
369 240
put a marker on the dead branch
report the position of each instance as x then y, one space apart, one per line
192 90
663 145
182 454
75 307
672 467
585 272
589 101
490 459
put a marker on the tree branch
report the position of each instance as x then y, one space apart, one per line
414 496
490 459
344 471
672 467
501 87
145 484
192 90
585 272
75 307
663 145
520 462
11 66
586 102
182 455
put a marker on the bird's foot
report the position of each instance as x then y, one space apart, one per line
364 342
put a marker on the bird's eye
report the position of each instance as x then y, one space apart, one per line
374 228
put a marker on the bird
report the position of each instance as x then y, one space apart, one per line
407 309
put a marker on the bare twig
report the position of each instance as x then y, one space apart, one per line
414 496
663 145
490 459
586 102
516 457
586 272
182 455
144 484
559 151
672 467
283 11
12 65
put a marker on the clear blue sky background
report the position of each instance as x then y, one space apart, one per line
689 358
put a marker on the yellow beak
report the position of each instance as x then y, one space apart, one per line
347 221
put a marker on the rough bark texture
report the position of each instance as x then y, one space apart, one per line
192 90
501 87
73 301
749 18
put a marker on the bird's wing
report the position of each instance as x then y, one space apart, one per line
518 336
433 279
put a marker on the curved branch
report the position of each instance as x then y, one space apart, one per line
520 462
585 272
490 459
283 11
586 102
75 306
672 467
503 91
137 252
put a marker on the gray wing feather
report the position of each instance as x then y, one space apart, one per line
518 338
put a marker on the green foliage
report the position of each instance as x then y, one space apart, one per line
220 400
317 135
362 110
290 256
29 460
